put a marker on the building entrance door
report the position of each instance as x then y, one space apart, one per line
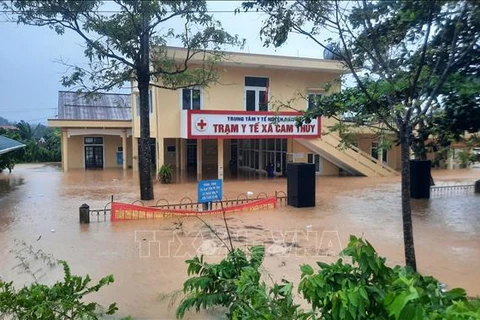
93 157
192 154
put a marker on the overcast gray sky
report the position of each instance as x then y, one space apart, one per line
30 75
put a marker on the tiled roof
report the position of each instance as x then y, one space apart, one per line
98 106
7 145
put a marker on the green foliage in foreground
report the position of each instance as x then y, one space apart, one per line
62 300
366 288
235 283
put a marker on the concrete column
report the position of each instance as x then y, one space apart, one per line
380 156
450 160
220 158
124 148
135 153
261 160
183 154
177 154
199 159
65 149
160 153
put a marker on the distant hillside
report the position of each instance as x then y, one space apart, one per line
5 122
38 129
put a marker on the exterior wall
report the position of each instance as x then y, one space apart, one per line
393 156
295 149
283 85
110 145
169 157
209 152
228 94
286 84
75 147
290 79
153 115
129 153
327 169
76 151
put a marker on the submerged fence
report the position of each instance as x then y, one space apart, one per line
88 215
452 190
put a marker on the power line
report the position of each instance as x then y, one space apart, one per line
28 110
37 119
118 11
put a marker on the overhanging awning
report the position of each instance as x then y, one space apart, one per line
7 145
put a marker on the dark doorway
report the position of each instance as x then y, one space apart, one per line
93 157
192 154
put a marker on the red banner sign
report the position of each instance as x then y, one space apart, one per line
213 124
124 211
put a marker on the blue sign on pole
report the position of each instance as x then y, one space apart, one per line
210 190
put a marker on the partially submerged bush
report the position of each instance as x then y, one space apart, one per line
368 289
165 174
62 300
364 289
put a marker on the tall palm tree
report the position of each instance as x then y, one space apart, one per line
25 130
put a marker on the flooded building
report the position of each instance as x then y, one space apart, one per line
96 130
233 125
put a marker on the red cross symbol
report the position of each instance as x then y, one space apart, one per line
201 125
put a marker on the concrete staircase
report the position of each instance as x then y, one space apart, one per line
352 159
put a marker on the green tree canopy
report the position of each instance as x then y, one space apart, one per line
25 130
401 54
127 41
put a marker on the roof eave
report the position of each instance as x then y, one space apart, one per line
240 59
3 151
78 123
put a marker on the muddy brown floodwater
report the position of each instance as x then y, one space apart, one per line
39 205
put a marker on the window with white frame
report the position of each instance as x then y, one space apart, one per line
191 99
313 97
375 150
256 93
93 140
315 159
150 102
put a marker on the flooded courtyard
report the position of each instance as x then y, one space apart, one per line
39 205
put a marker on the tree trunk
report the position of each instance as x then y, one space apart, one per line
406 131
143 78
420 149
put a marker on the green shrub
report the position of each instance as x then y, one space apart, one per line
165 174
466 158
62 300
366 288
